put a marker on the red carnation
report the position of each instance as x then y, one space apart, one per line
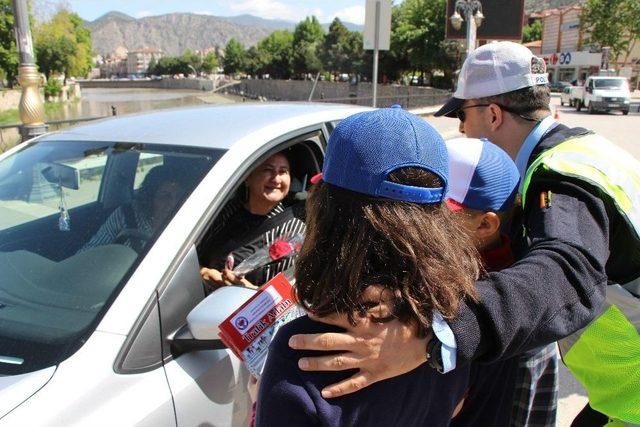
279 248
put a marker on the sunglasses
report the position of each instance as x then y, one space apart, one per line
462 116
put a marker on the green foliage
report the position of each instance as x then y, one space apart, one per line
234 57
63 45
8 49
420 31
52 88
276 51
612 23
338 50
171 65
209 63
307 39
532 32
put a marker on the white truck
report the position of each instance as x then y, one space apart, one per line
602 94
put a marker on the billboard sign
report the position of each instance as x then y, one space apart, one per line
503 21
384 25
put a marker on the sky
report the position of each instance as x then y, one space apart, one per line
290 10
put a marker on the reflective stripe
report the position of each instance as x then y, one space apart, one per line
600 162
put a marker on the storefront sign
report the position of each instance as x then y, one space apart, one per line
572 59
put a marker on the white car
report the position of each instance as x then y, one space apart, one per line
97 335
565 96
602 94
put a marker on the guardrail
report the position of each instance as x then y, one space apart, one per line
406 101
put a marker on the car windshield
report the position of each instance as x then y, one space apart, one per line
610 83
76 218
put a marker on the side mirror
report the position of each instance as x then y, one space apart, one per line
201 330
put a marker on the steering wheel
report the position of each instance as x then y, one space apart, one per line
137 238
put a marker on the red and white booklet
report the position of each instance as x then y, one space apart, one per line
250 329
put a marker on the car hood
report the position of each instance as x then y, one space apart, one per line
15 389
611 93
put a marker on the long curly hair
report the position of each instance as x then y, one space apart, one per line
417 251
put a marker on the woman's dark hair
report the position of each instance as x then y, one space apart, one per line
417 251
154 179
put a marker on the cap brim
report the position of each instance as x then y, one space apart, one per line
449 109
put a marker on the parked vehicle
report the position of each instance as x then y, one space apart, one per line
96 335
565 96
602 94
558 86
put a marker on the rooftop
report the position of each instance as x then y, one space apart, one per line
216 126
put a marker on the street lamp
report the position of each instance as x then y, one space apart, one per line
31 107
470 11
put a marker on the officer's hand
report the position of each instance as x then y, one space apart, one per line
379 350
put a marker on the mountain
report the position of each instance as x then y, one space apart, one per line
176 32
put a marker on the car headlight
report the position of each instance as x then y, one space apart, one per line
626 101
598 99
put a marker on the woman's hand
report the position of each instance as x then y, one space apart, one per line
212 276
235 279
378 350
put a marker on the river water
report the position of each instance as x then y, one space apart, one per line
100 102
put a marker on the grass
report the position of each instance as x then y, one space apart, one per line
12 116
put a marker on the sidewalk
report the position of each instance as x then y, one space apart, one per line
426 111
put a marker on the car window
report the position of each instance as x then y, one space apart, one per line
609 83
64 251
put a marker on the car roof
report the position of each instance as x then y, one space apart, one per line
214 126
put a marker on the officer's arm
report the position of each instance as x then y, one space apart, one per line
554 290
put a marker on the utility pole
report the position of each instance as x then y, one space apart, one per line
377 35
31 107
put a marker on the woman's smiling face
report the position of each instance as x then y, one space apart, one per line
270 182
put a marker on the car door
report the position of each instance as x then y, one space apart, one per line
209 387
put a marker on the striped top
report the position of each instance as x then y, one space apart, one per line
238 232
116 223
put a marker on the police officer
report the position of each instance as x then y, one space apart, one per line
578 233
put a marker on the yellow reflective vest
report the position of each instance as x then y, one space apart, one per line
605 355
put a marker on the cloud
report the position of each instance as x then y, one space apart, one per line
353 14
143 13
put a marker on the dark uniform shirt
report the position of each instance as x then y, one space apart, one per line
558 284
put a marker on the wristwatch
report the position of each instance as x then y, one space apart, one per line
434 353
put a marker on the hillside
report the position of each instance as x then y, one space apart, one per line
176 32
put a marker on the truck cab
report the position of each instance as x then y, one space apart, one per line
603 94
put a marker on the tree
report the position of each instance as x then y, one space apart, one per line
277 52
234 57
338 43
153 64
532 32
307 38
193 61
420 31
209 63
256 61
63 45
612 23
8 49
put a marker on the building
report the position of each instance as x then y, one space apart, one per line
138 60
566 53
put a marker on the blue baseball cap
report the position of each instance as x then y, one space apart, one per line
366 147
482 175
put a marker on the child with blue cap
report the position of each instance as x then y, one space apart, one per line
381 246
482 192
